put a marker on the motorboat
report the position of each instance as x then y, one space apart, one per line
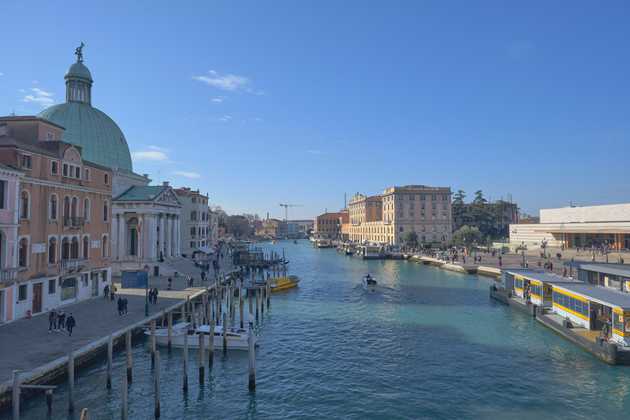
323 243
369 283
371 252
236 338
284 283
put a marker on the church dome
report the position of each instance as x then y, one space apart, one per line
99 137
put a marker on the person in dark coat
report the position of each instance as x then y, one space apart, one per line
70 323
52 320
120 305
61 320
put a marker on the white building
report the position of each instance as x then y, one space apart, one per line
195 230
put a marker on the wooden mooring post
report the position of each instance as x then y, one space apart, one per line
250 303
124 409
202 357
268 291
49 399
240 305
224 334
152 343
170 330
185 383
129 357
71 382
211 346
252 359
15 397
257 296
110 356
156 376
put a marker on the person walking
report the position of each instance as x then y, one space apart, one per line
61 320
112 293
70 323
155 295
106 291
125 302
170 284
52 321
120 305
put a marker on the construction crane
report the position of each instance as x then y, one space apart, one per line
286 209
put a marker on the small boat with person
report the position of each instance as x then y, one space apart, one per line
369 283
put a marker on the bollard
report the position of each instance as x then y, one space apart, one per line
152 343
224 335
240 305
202 357
157 384
49 398
252 359
170 330
71 382
110 355
85 414
211 346
185 385
124 410
129 359
15 401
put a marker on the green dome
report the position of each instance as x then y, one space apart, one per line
79 70
100 138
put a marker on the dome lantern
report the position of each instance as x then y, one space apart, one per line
79 80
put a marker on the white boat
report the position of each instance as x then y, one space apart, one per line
369 283
371 252
236 337
323 243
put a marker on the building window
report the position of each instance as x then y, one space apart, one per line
52 251
52 286
65 249
25 162
105 211
86 209
74 249
105 247
74 208
86 174
106 179
65 169
24 205
22 292
54 167
53 207
23 253
3 188
77 172
86 247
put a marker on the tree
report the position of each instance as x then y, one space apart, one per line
411 239
479 198
467 236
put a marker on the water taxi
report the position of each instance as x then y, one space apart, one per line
284 283
237 338
369 283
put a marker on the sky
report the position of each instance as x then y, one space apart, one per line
267 102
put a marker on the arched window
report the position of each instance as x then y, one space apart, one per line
86 247
74 249
24 205
53 207
52 251
86 209
23 253
65 249
75 205
66 207
105 211
105 247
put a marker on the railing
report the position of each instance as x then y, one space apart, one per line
74 222
72 265
8 275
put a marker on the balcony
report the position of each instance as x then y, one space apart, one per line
73 265
74 222
8 275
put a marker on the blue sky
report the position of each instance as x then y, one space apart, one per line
260 103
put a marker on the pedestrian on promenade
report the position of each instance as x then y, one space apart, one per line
120 305
70 323
61 320
170 284
106 291
125 302
52 320
155 295
112 293
190 281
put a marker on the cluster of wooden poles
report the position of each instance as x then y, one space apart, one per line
217 307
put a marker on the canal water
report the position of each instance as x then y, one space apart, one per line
428 344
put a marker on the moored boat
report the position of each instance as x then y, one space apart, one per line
236 338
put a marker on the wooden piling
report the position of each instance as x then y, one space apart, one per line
124 409
252 359
268 292
211 346
224 335
240 305
110 356
49 399
129 359
71 382
262 300
202 357
257 296
170 330
157 384
152 343
250 303
185 384
15 401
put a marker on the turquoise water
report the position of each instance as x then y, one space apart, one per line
428 344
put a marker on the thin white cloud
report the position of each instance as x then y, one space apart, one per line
225 118
40 97
158 148
149 155
218 99
229 82
314 152
185 174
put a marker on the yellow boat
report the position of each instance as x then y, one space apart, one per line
285 283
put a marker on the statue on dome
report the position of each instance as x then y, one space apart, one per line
79 52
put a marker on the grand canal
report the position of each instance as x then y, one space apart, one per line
428 344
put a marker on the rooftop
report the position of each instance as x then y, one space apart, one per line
602 295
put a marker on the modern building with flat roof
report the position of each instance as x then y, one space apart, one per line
579 227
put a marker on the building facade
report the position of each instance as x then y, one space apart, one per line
195 234
328 225
571 227
62 252
272 229
387 218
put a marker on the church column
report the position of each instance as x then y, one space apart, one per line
167 236
173 237
152 236
161 237
122 238
178 237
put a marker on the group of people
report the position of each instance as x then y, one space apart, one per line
122 305
57 321
153 295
